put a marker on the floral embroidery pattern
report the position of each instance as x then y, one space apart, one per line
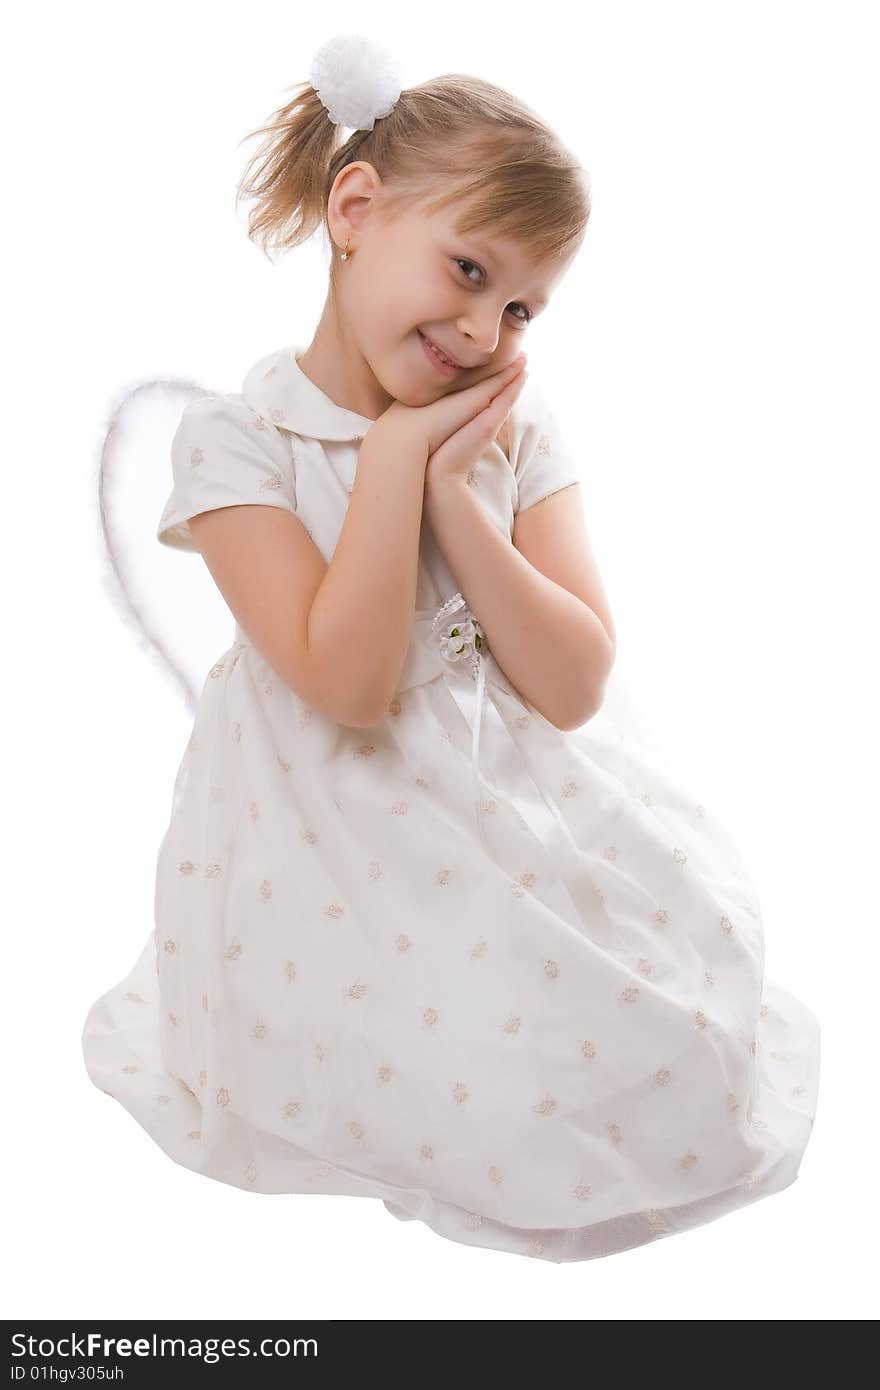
361 986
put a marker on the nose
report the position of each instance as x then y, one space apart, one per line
482 326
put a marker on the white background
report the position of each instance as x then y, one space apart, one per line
718 336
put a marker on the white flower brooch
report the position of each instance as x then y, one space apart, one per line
461 638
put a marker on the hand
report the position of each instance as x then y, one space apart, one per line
475 413
486 407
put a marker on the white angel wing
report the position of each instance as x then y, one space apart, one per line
166 597
628 715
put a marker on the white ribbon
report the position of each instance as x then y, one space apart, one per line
459 653
462 639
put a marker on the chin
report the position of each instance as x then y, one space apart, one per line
407 385
400 386
418 397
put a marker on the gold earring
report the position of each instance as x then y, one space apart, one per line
346 253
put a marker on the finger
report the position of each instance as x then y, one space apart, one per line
503 399
511 370
483 427
486 422
454 410
470 400
495 379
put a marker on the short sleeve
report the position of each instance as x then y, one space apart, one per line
224 454
541 461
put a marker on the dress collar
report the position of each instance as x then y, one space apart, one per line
278 389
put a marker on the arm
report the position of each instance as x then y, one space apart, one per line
360 621
337 634
332 632
548 640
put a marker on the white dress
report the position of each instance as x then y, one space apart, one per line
513 985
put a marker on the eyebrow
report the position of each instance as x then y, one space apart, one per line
487 254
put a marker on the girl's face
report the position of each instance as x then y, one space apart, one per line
415 276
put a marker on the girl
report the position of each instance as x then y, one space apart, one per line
430 925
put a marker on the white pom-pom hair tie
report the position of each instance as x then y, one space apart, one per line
356 80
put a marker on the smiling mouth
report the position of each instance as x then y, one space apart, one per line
444 357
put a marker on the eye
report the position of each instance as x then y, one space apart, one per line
460 260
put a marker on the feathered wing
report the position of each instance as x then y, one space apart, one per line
628 715
166 597
544 462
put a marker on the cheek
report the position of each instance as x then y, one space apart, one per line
414 294
392 308
393 301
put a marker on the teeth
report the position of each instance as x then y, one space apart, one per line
437 353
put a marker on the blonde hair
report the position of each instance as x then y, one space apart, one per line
456 133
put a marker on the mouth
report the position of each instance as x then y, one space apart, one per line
445 364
